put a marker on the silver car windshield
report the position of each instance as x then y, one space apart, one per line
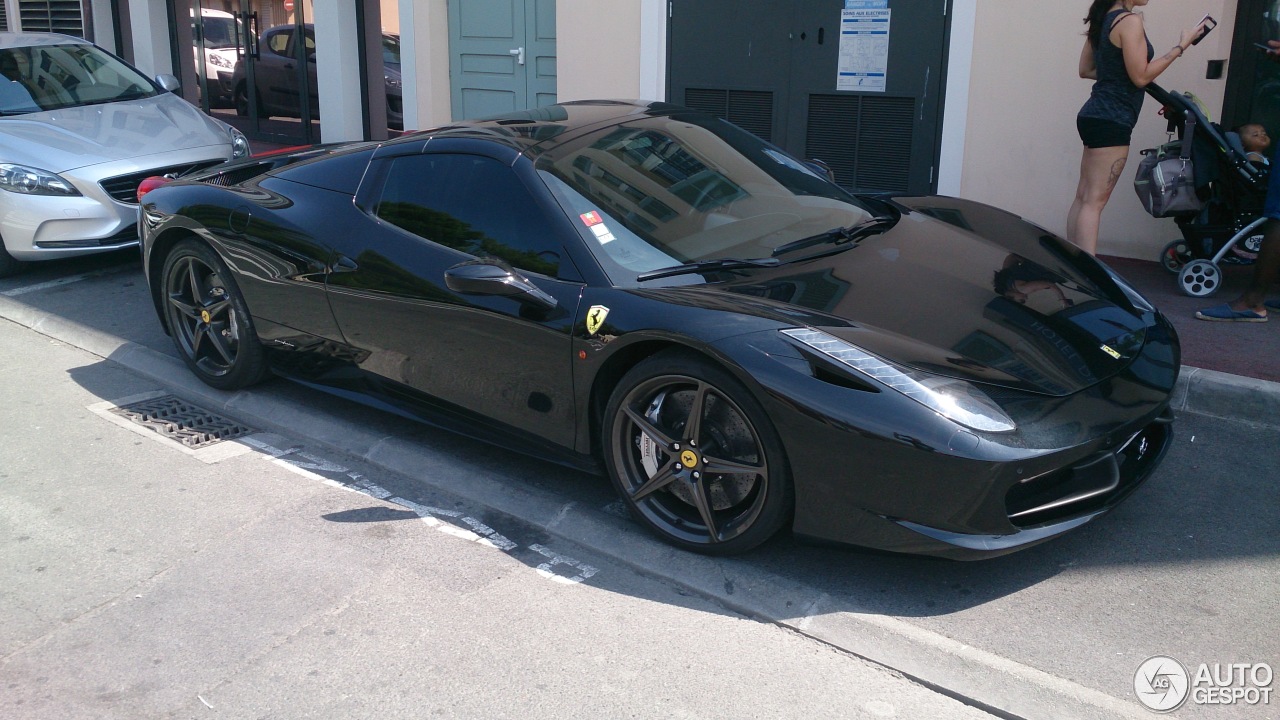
661 191
52 77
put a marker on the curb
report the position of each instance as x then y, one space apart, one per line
973 676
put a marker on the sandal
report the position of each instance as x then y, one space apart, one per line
1224 313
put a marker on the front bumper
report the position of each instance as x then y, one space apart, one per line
875 469
42 227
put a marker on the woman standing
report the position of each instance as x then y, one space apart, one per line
1119 57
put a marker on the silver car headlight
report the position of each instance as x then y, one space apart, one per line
219 61
954 399
239 144
33 181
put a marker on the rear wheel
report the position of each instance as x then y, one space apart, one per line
694 456
208 320
1175 255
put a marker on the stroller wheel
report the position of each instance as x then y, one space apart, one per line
1200 278
1175 255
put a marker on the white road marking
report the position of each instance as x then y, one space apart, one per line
547 569
308 465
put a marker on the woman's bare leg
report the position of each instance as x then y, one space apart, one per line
1100 169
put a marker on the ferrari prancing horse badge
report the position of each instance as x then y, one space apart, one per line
595 318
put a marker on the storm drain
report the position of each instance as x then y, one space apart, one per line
179 420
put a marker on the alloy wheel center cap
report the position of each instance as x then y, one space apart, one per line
205 316
689 459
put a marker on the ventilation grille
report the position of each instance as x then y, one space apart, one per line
865 139
60 16
124 188
748 109
4 17
179 420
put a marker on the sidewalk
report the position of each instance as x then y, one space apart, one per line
1251 350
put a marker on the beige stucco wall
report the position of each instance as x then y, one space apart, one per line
1021 148
597 49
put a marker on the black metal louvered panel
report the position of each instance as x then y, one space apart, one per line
865 139
831 133
715 102
60 16
884 143
751 110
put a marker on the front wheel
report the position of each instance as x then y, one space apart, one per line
1200 278
1175 256
208 319
694 456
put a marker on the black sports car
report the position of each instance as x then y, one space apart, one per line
738 342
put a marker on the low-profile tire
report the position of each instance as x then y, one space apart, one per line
208 320
694 456
8 264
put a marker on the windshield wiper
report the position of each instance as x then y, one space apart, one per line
840 235
706 266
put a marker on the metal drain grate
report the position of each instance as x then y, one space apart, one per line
179 420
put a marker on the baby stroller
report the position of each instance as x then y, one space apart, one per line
1227 228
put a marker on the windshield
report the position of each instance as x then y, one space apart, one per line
661 191
219 32
50 77
391 49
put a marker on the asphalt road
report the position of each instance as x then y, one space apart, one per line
1188 567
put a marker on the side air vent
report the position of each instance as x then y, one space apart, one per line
60 16
865 139
750 110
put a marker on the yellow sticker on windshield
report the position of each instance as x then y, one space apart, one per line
1113 353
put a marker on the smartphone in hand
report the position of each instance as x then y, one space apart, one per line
1209 24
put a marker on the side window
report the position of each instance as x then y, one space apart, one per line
470 203
279 42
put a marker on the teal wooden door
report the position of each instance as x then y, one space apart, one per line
502 56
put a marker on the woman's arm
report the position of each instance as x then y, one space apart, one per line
1088 70
1133 44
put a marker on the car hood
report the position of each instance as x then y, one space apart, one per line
62 140
959 289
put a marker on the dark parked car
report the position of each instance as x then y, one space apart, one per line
276 79
738 342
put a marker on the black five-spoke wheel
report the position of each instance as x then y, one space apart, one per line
695 457
208 320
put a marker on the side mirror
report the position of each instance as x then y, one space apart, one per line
490 276
168 83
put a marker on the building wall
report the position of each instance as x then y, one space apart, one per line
1021 149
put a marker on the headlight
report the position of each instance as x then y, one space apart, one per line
30 181
954 399
219 61
239 144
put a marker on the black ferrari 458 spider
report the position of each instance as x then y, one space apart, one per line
739 343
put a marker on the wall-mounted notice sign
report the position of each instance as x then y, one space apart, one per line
864 46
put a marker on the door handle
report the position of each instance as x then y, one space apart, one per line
343 264
519 53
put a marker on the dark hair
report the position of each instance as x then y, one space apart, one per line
1097 16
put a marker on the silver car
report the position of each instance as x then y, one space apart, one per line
79 129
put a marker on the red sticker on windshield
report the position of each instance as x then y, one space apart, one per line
591 218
